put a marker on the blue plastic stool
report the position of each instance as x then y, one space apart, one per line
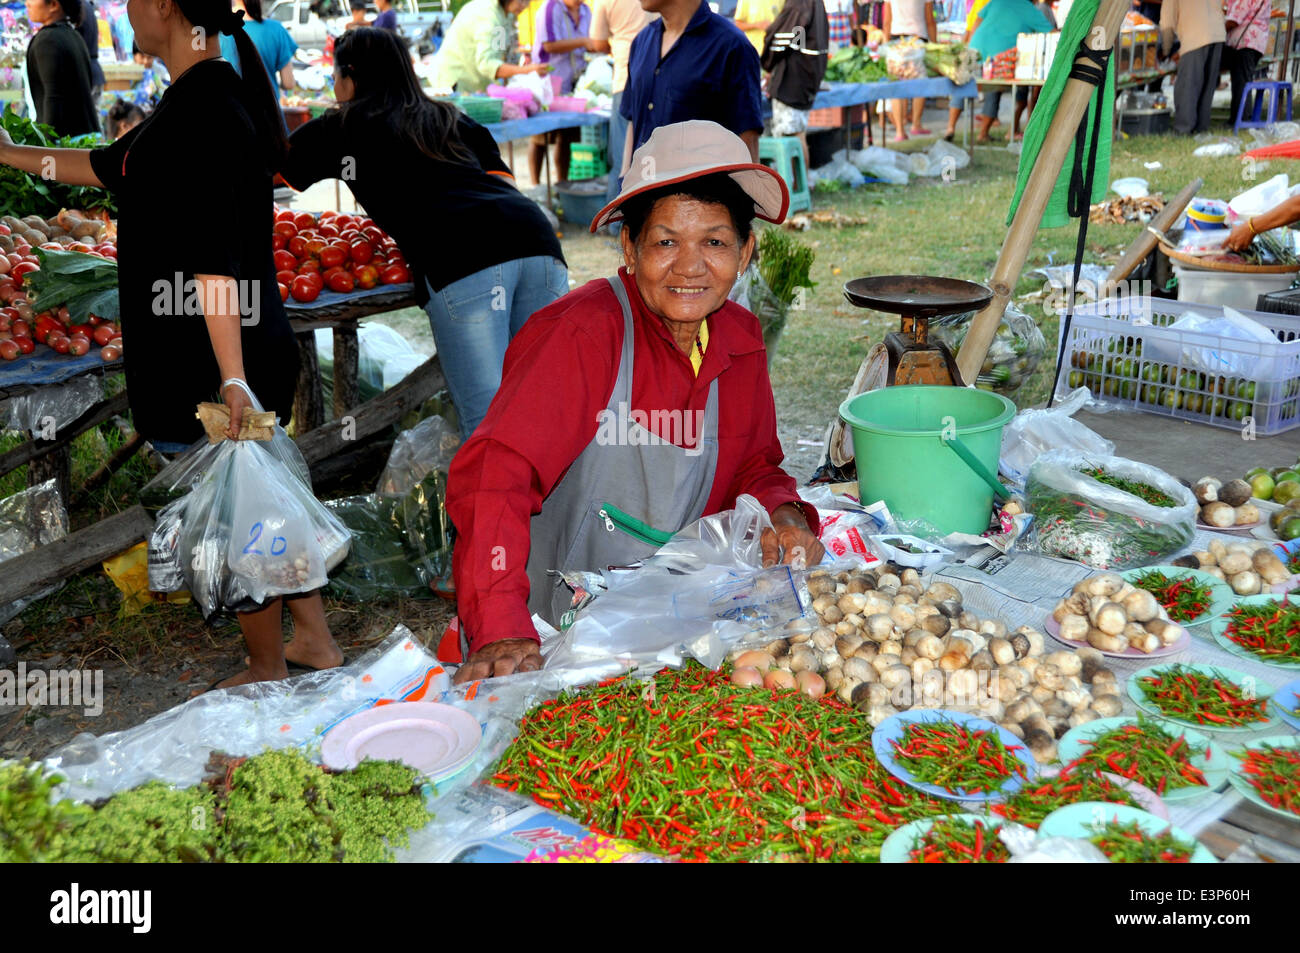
785 155
1260 88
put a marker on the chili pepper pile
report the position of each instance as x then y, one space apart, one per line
1183 599
1188 695
1129 844
1293 563
1274 773
1148 754
954 842
956 759
1270 631
689 765
1077 782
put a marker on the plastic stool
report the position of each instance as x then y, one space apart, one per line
785 155
1276 93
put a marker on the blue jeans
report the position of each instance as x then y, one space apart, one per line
473 320
617 136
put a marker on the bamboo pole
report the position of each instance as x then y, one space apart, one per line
1070 110
1290 33
1145 242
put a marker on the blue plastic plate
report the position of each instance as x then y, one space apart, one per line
1085 818
1240 679
1286 702
1215 767
897 848
892 728
1220 627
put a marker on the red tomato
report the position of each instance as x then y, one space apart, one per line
79 345
59 343
285 261
82 247
315 246
284 215
278 241
286 277
107 250
116 342
340 281
4 230
331 256
105 333
9 350
316 278
6 322
110 352
327 230
22 329
284 290
287 229
308 265
298 246
26 345
304 220
13 258
362 252
395 275
367 276
304 289
350 235
95 321
328 214
20 269
63 314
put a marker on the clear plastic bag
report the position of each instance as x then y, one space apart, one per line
1034 432
700 594
1078 517
379 562
1014 354
417 452
905 59
249 529
29 519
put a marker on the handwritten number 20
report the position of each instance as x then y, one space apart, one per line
278 543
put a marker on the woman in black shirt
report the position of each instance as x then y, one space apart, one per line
482 254
202 311
58 68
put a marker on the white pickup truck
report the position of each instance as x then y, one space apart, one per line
311 22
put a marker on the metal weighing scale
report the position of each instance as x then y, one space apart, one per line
913 357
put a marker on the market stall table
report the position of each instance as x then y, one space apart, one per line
845 96
511 129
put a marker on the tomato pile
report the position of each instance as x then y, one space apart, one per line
21 329
333 250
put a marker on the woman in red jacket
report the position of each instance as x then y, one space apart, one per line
634 404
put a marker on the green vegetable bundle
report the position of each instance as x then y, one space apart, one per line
957 62
85 283
784 267
854 65
23 194
275 807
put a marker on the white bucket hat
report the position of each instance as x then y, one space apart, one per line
690 150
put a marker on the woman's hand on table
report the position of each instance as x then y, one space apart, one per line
790 539
504 657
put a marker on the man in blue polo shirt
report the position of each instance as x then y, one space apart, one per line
691 64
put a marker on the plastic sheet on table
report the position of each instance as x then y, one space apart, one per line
47 410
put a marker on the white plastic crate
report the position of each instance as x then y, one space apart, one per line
1201 285
1124 352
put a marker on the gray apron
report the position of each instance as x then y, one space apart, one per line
584 524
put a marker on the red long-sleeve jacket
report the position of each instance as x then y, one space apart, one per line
559 374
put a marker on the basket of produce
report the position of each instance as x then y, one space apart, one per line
1107 512
1017 348
855 64
957 62
905 59
1147 354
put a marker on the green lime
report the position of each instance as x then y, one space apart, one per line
1290 529
1287 476
1261 486
1255 471
1286 491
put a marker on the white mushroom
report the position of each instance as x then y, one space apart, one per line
1110 618
1140 606
1107 706
879 627
1075 627
1002 651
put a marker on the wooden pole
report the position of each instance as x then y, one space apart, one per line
1070 110
1290 33
1145 242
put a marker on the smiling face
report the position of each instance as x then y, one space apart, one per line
686 258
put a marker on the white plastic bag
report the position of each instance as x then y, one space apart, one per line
1078 517
1248 357
417 452
1258 199
537 84
1031 433
886 173
877 156
946 155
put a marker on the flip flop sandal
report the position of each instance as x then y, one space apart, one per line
921 131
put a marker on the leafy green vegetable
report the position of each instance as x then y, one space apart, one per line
22 194
855 65
85 283
785 263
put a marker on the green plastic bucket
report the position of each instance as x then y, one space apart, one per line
909 442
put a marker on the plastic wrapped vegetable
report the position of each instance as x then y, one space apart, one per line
1013 356
905 59
957 62
1107 512
379 562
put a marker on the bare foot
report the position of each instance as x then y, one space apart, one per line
313 652
247 677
